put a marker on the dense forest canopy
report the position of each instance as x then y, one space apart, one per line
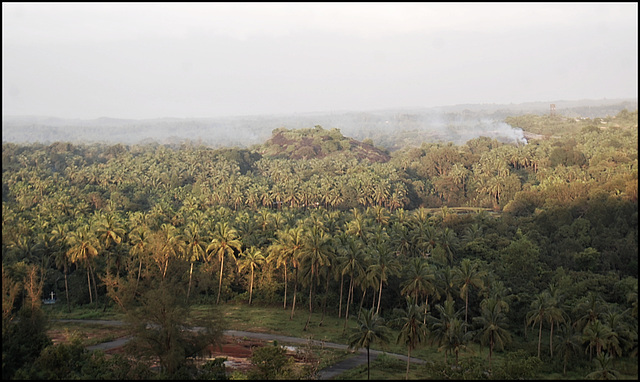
536 232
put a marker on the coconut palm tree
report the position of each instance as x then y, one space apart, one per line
62 259
224 243
493 325
370 329
194 248
605 370
82 250
353 265
284 251
468 275
568 343
419 280
597 336
140 241
440 326
315 254
251 258
413 330
384 266
538 314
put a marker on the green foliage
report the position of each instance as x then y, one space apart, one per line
158 328
518 365
23 340
270 362
468 368
214 369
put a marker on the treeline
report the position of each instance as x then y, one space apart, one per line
550 242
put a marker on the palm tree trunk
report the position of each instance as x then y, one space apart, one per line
408 363
340 306
189 289
220 282
66 289
251 286
285 285
89 283
95 287
349 298
362 301
138 280
310 302
490 351
368 365
539 338
295 291
379 297
324 303
466 307
426 306
551 340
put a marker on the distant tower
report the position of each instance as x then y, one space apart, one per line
553 109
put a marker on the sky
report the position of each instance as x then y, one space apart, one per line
196 60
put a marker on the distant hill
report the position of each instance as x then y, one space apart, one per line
317 142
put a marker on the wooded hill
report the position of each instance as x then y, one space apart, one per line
318 143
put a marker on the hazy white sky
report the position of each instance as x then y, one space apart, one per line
148 60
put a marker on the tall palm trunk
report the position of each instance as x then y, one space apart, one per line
379 297
310 301
340 306
349 301
408 363
138 279
66 288
220 282
490 350
466 308
364 293
251 286
95 288
426 306
285 286
539 338
551 340
368 364
189 289
295 291
324 303
89 283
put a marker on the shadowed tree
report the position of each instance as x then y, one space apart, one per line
538 314
440 326
194 249
468 275
568 343
61 254
370 329
251 258
315 254
82 250
419 281
493 326
413 331
225 241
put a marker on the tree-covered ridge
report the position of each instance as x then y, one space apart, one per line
318 143
558 125
339 234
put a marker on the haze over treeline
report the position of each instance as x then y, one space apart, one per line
457 124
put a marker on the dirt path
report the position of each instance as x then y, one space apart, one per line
358 359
